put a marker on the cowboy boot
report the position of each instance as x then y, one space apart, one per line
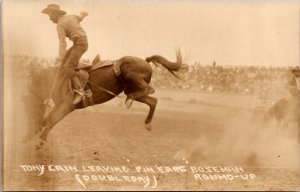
79 90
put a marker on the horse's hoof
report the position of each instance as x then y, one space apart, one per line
148 126
38 147
40 144
128 103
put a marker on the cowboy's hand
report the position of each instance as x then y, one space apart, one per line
84 14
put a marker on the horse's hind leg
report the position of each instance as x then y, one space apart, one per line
151 102
142 88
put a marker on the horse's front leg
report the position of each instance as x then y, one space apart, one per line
52 120
151 102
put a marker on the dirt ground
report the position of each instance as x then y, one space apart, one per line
189 129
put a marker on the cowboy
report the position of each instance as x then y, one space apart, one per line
294 82
69 26
296 72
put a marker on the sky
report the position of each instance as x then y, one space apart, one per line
264 33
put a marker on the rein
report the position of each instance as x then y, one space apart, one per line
102 89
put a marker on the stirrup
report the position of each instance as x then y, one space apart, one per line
79 96
79 92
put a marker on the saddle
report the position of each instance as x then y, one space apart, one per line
84 69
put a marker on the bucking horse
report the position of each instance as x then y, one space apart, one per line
129 74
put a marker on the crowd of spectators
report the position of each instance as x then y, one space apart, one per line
205 78
225 79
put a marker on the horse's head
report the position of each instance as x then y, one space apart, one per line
39 79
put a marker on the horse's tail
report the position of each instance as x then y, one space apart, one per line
170 66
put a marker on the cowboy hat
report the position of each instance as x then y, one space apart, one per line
53 8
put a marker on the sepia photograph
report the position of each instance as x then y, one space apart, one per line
150 95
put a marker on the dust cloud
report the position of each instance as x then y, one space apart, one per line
246 138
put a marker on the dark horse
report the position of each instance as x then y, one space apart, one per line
134 81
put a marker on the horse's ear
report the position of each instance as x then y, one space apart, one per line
96 60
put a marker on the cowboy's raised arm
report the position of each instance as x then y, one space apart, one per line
82 15
62 42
